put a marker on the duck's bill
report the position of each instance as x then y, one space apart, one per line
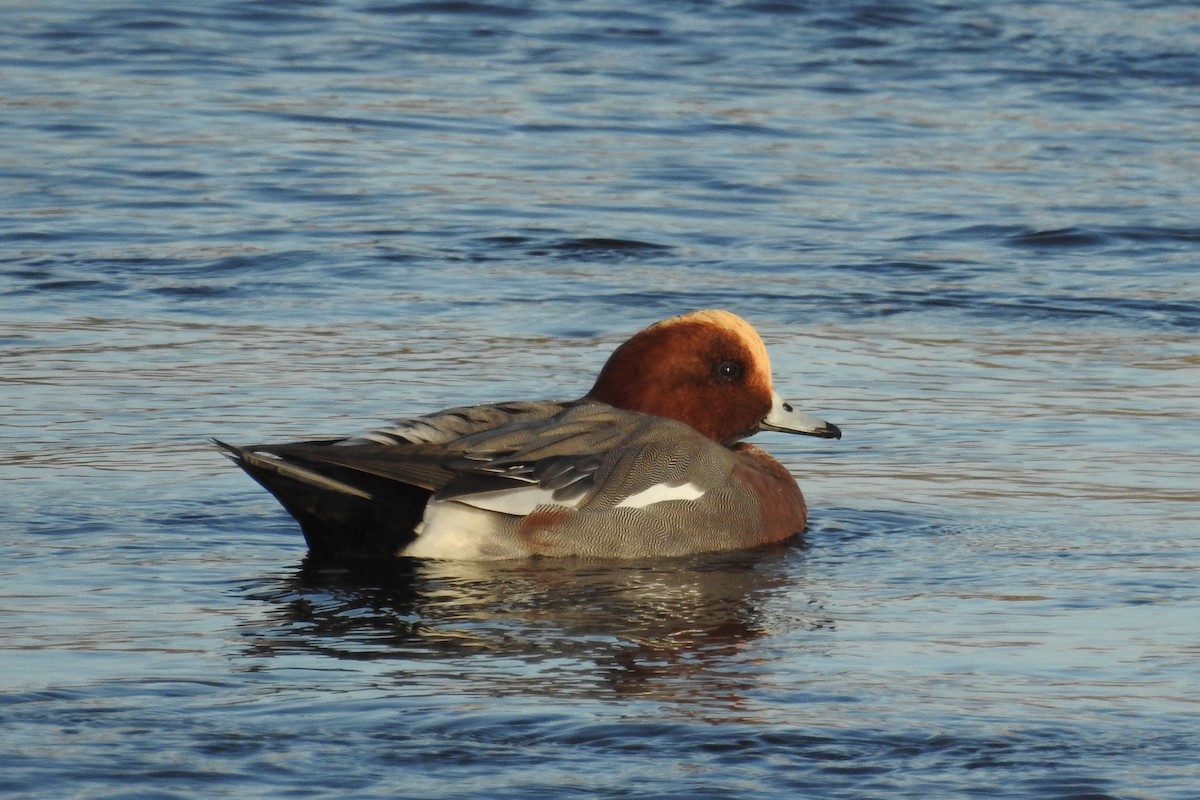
792 420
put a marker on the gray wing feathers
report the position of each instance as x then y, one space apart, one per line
447 426
574 450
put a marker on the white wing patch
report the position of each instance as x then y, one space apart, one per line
661 493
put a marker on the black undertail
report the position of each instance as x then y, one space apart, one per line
344 513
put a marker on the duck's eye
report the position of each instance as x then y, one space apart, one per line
729 370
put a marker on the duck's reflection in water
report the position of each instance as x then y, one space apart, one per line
665 627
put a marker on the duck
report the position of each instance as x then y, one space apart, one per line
649 463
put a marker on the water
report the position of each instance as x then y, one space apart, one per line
967 231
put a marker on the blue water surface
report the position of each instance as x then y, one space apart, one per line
967 231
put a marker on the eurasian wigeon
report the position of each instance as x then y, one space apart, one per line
648 463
